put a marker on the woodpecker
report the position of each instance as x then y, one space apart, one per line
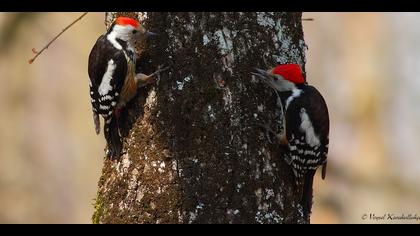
305 118
113 78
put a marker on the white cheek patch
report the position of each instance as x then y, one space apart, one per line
113 40
308 129
120 32
105 85
283 85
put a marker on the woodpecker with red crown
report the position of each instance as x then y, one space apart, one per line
113 78
306 125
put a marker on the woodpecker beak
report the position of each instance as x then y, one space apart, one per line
144 32
149 33
264 76
260 72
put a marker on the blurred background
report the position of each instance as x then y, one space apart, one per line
365 64
367 67
50 156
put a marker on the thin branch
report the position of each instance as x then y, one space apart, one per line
49 43
307 19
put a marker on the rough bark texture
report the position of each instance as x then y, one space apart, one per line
194 152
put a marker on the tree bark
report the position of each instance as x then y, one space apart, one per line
193 148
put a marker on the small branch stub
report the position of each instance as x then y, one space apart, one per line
37 53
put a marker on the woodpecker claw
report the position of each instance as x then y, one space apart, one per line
143 80
280 136
267 132
159 71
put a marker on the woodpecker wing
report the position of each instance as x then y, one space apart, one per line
318 110
307 130
107 72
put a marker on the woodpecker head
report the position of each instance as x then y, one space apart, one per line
127 29
282 78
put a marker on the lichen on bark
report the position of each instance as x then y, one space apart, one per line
194 152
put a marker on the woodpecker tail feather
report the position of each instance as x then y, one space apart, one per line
96 122
307 193
324 170
112 137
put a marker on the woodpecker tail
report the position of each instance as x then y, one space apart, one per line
112 137
324 170
96 122
307 193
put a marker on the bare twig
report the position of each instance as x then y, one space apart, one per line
307 19
49 43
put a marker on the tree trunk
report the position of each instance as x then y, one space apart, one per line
194 151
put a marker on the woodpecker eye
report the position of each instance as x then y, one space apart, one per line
134 31
276 78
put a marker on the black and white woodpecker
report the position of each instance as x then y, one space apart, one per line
113 78
306 125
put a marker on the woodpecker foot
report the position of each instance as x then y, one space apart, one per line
267 132
160 70
281 137
143 80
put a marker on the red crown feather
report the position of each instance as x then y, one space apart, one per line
122 20
290 72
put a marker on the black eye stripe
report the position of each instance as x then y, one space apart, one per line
134 31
